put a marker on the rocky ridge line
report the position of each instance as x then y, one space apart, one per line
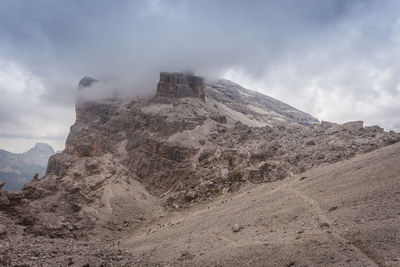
124 160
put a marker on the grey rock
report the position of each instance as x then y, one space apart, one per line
86 82
218 118
353 126
236 228
3 231
4 202
191 195
180 85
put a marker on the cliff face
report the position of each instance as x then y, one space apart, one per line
180 85
124 159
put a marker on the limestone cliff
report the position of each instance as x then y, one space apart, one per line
180 85
125 159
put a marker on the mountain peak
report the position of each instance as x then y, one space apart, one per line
86 81
17 169
43 147
177 149
178 85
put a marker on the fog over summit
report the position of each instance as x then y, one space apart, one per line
337 60
199 133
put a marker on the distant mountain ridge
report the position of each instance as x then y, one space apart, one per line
17 169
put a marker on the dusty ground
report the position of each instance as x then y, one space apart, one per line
343 214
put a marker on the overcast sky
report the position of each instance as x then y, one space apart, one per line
338 60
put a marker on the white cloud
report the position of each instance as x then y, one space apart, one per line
25 118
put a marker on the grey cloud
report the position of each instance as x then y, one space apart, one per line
309 53
66 39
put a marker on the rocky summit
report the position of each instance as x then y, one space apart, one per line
139 166
86 82
180 85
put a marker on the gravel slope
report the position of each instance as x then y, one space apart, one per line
343 214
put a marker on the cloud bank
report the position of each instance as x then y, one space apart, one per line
338 60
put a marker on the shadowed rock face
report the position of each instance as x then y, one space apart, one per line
180 85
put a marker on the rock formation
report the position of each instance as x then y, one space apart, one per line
180 85
124 158
129 161
86 82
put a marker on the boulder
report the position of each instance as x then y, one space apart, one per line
15 196
327 124
218 118
58 163
3 231
3 199
191 195
310 143
373 129
353 126
236 228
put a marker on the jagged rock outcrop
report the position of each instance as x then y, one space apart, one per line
180 85
124 158
86 82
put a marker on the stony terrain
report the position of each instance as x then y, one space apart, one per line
207 172
342 214
18 169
